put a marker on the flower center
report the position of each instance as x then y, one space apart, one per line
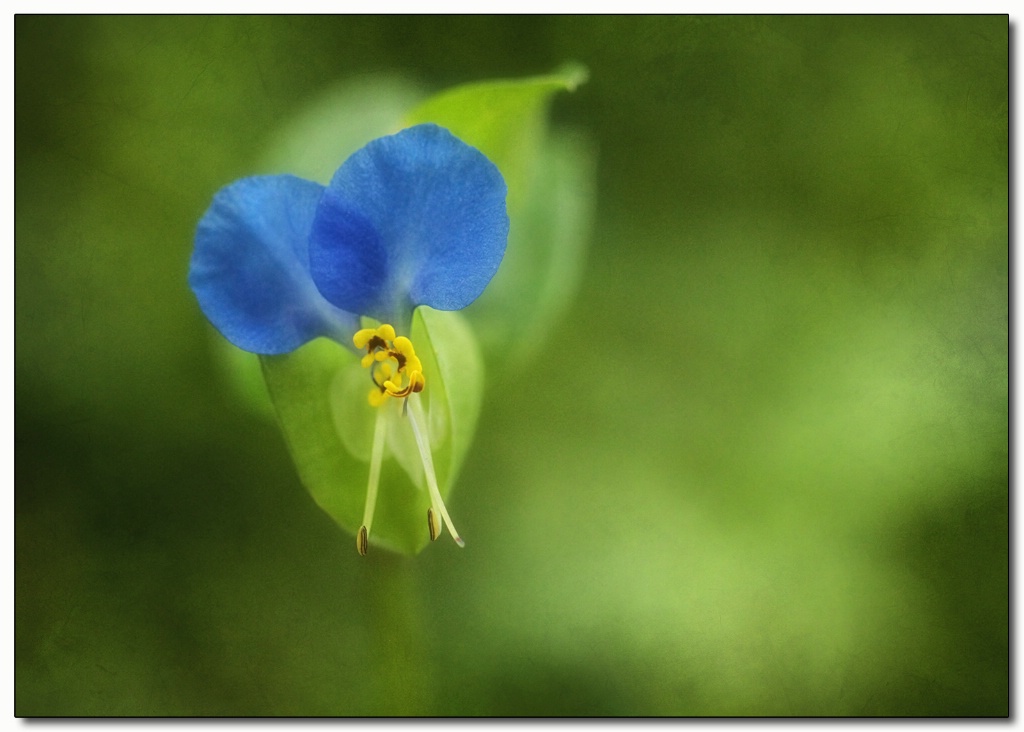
394 367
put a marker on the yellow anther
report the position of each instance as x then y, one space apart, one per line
362 337
416 381
404 346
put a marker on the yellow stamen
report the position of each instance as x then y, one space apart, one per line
362 337
384 348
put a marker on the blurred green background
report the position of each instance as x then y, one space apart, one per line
761 468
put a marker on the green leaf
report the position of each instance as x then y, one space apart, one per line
451 354
320 392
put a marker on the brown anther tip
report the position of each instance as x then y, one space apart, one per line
431 527
362 541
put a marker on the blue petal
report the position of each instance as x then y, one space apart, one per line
416 218
250 267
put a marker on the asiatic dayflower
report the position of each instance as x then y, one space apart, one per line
415 218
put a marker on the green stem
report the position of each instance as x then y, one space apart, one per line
398 661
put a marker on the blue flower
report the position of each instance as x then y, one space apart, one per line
415 218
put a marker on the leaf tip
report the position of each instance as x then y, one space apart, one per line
573 74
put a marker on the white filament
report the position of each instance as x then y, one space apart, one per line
415 417
380 431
